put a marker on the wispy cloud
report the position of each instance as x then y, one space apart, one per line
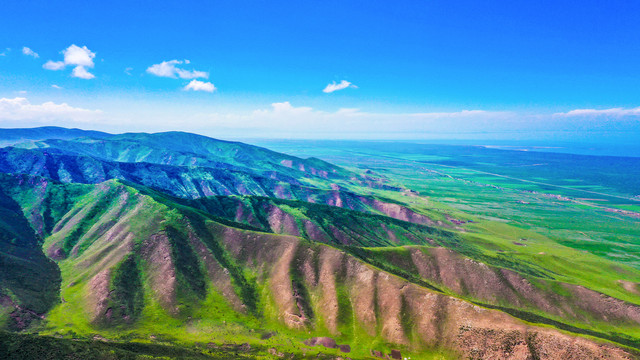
283 109
196 85
612 112
56 86
29 52
170 70
79 57
454 114
5 52
54 65
283 119
20 108
338 86
128 71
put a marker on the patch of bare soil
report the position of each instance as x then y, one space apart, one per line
335 199
98 296
329 265
608 308
20 316
340 235
389 290
160 269
404 313
219 276
390 234
282 290
362 283
547 344
282 222
324 341
245 215
314 232
630 286
499 286
400 212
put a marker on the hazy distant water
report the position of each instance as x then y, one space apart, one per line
597 149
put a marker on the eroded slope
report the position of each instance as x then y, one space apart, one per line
133 265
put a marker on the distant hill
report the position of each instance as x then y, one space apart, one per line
184 149
19 135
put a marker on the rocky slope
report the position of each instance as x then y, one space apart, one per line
131 261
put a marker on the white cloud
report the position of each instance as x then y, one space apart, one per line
170 70
128 70
613 112
197 85
56 86
5 52
82 73
164 69
338 86
284 108
193 74
20 108
80 57
29 52
54 65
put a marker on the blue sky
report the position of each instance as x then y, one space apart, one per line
408 69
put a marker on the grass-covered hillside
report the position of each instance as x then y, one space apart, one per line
184 149
135 266
353 264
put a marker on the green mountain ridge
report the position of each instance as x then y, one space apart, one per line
116 271
184 149
105 239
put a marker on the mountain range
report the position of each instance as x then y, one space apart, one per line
135 245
